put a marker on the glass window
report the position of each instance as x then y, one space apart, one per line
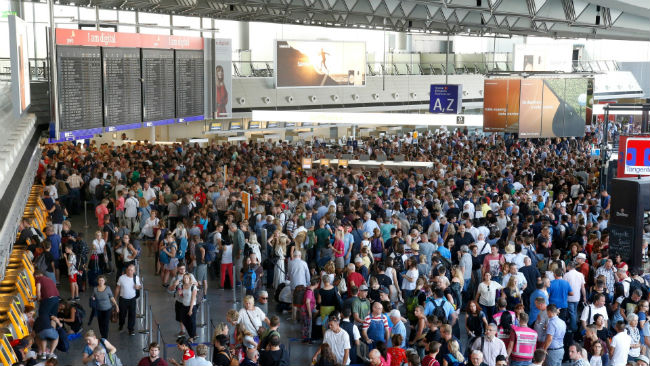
107 15
87 15
147 30
153 19
126 28
28 8
187 33
189 22
42 12
126 17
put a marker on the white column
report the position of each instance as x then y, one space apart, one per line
244 36
401 41
152 137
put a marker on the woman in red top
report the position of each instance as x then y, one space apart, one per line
184 346
397 354
222 92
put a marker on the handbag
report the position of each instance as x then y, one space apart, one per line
115 316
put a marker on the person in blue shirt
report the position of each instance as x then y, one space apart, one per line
559 292
444 249
398 327
554 342
539 292
439 300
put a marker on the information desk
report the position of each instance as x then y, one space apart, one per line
387 164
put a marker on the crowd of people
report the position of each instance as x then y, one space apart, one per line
498 254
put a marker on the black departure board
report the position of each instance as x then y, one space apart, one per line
158 84
79 74
122 86
189 83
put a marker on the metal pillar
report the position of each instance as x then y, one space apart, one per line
603 149
447 61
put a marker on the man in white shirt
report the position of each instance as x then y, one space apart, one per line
131 205
338 340
490 345
369 224
619 346
148 193
598 307
298 271
577 282
126 288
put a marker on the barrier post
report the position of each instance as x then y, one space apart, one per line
205 313
147 314
85 214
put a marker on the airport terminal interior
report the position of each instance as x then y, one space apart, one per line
325 182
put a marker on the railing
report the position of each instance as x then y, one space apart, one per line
39 68
596 66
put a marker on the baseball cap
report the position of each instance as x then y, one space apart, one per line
384 289
363 288
643 358
582 256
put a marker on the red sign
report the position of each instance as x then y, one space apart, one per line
632 150
76 37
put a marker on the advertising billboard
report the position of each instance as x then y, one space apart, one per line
446 98
501 105
19 64
223 77
319 63
637 156
537 107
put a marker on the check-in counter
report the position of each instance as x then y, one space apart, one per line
12 323
7 355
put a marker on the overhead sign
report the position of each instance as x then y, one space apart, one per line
306 163
637 156
446 98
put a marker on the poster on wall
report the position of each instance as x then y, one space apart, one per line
19 64
320 63
223 77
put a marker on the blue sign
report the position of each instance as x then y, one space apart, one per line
446 98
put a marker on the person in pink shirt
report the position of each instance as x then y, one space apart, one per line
119 207
339 250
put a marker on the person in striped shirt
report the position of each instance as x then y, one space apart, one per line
375 326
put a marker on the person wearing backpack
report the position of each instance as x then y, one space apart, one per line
441 308
201 269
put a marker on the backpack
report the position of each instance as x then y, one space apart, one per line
411 304
41 264
210 252
80 312
80 250
250 280
64 343
375 246
182 248
456 294
637 285
439 311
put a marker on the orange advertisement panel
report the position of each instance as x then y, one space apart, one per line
512 106
530 110
495 105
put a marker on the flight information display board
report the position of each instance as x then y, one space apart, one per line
122 88
189 85
158 86
79 74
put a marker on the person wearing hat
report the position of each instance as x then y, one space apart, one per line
642 361
581 264
360 305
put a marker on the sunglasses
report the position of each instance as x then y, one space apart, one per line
264 298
